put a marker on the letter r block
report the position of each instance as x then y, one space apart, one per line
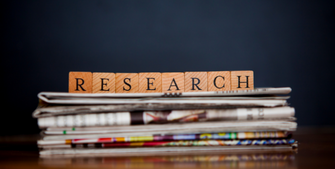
80 82
195 81
150 82
242 80
173 82
103 82
218 81
126 82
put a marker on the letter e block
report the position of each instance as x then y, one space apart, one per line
173 82
80 82
103 82
195 81
150 82
242 80
218 81
126 82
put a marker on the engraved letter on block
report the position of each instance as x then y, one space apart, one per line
126 82
172 82
103 82
80 82
218 81
150 82
195 81
242 80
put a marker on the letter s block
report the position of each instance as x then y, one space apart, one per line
195 81
242 80
218 81
150 82
126 82
103 82
80 82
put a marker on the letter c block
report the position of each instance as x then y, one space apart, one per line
218 81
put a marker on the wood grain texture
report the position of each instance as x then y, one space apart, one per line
218 81
103 82
195 81
150 82
80 82
126 82
239 80
173 82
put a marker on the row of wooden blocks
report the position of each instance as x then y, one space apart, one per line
152 82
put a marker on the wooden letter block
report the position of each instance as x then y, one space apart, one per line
195 81
80 82
126 82
218 81
242 80
103 82
150 82
172 82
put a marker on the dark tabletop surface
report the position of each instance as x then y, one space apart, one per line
316 149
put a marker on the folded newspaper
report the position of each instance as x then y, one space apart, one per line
256 119
58 103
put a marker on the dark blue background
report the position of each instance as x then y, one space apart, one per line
286 43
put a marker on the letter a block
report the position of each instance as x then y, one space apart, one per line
80 82
195 81
103 82
150 82
242 80
126 82
218 81
172 82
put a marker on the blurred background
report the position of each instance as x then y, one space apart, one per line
285 43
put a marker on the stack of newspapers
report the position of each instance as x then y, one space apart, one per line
162 123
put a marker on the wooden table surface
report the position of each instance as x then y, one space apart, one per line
316 149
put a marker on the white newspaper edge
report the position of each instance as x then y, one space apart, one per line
167 103
257 91
198 127
153 101
124 118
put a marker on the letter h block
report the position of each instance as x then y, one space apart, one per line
80 82
242 80
195 81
